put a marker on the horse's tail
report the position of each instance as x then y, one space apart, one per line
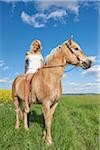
14 90
16 85
16 99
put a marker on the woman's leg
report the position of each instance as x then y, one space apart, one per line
27 91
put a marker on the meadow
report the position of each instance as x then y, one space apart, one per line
75 125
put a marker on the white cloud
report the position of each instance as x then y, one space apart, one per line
1 61
25 17
58 14
16 1
97 80
49 9
17 73
93 70
89 84
4 80
64 76
5 68
92 58
40 19
73 6
98 75
52 9
33 20
74 84
3 65
73 87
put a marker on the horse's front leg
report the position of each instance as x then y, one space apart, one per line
52 109
25 120
47 117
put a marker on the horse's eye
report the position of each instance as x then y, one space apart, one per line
76 48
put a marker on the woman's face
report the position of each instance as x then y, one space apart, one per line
36 46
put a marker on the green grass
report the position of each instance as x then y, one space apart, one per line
75 126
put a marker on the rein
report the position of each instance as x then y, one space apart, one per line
64 65
44 67
70 69
52 66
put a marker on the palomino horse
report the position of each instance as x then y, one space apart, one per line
46 83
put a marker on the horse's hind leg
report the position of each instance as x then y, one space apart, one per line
18 111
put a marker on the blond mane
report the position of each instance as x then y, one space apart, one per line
52 54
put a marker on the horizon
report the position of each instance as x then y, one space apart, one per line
52 22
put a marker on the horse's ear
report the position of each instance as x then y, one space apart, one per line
70 41
72 36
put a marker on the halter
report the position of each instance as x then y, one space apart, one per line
54 66
72 52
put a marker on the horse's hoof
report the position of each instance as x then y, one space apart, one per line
26 128
16 127
49 142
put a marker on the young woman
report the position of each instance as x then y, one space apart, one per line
33 62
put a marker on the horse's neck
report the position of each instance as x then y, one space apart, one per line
57 65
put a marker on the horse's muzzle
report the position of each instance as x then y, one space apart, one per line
86 64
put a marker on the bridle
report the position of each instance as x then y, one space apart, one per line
65 64
72 52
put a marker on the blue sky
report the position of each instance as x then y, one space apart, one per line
52 22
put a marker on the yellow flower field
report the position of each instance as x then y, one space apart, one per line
5 95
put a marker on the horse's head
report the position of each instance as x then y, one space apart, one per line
74 55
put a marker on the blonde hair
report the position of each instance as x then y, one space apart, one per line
39 43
